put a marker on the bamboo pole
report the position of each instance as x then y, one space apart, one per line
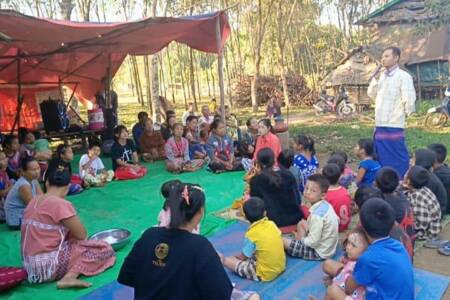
220 67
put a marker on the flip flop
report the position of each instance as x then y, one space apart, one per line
445 250
435 243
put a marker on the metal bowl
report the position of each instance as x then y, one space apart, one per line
116 237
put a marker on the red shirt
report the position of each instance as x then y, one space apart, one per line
340 200
271 141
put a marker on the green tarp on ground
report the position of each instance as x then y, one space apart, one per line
133 205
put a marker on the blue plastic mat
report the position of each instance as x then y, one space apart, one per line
300 280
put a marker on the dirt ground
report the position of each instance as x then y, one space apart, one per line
431 260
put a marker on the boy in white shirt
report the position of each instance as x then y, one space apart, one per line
317 237
91 167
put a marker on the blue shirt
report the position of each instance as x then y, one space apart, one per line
371 166
306 167
137 131
14 205
385 270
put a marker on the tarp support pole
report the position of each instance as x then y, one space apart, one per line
220 67
19 95
108 80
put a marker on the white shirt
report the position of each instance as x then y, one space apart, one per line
96 165
323 224
395 98
186 114
204 120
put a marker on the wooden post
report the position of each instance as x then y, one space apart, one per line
220 67
19 96
419 82
108 80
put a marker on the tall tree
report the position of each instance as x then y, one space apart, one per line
257 25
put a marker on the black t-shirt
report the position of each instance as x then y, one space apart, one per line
174 264
404 214
123 152
436 186
443 173
283 201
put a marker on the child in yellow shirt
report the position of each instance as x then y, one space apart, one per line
262 257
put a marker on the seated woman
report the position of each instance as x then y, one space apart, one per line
92 170
221 150
183 265
167 127
22 192
192 134
177 153
151 143
54 245
278 189
64 158
125 160
266 139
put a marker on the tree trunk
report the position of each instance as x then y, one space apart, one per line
66 7
209 85
172 79
180 59
155 79
197 80
192 77
148 83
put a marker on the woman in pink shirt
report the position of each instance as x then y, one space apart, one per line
54 245
266 139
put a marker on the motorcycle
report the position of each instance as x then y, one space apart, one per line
340 105
438 116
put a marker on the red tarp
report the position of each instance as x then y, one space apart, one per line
61 51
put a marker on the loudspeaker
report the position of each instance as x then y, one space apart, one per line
54 116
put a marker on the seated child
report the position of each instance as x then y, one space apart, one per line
365 193
125 160
5 184
42 150
92 170
262 257
368 166
305 158
441 170
192 134
151 143
338 271
316 238
427 213
384 269
221 150
286 160
164 214
63 159
348 176
338 196
177 152
387 181
11 149
426 159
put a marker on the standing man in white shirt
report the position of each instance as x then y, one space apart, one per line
395 99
